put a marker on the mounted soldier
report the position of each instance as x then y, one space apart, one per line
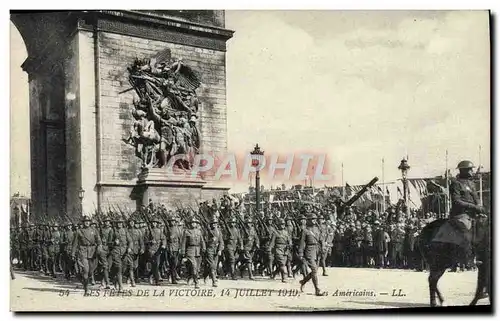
464 207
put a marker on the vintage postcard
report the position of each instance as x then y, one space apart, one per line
220 160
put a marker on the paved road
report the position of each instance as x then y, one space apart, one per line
373 289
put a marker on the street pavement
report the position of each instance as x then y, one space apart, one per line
348 288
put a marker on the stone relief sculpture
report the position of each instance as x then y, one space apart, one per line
166 111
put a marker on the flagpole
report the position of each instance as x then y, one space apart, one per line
480 179
447 194
343 187
383 185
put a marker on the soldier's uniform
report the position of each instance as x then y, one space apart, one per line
67 237
24 240
368 246
308 250
357 245
281 243
174 236
32 247
156 243
464 203
409 247
215 246
192 247
301 266
323 250
85 245
379 245
120 252
397 240
136 250
103 253
250 244
53 249
290 253
144 261
232 243
266 245
338 247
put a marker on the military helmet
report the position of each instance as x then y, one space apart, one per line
248 220
281 221
232 220
214 221
195 220
465 164
86 218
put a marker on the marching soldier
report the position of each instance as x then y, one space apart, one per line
143 259
266 244
289 255
323 250
330 231
24 240
192 247
250 244
174 236
103 252
120 251
136 250
296 244
67 237
31 247
233 243
308 251
156 244
85 242
281 243
215 246
94 261
53 249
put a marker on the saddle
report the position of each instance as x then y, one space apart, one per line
455 231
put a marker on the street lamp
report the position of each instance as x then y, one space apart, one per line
257 156
404 167
81 194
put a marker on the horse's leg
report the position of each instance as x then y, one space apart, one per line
434 276
432 287
480 285
439 274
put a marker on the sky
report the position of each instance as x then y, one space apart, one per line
356 86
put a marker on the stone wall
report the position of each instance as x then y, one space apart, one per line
118 161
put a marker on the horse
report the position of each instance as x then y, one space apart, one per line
441 256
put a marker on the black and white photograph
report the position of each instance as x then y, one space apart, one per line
250 160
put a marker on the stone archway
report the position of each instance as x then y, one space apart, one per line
77 68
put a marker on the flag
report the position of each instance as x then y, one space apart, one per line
348 190
399 192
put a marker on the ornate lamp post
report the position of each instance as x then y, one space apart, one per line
257 155
81 194
404 167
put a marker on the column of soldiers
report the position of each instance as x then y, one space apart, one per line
157 246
